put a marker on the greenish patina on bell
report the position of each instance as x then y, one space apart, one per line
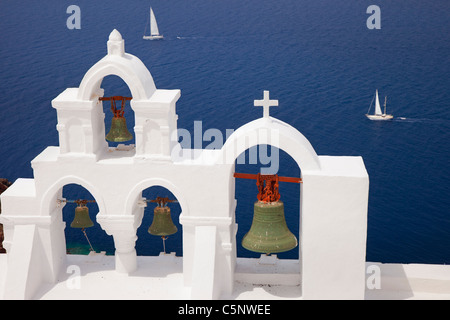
269 232
119 131
82 219
162 224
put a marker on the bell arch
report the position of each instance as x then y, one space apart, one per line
50 197
124 65
134 195
272 132
141 89
147 103
55 242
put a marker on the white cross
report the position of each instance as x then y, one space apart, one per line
266 103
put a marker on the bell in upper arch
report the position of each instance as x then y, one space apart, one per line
269 232
82 219
119 131
162 224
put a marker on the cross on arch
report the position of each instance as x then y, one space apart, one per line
266 103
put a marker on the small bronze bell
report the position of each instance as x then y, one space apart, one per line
162 224
119 131
269 232
82 219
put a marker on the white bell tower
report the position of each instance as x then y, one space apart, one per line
81 118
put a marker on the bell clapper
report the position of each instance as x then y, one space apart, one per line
85 234
164 243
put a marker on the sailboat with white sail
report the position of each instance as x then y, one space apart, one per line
154 31
378 115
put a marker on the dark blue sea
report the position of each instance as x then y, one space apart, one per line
318 58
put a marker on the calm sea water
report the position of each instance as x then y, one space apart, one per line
316 57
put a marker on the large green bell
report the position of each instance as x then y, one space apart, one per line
82 219
269 232
119 131
162 224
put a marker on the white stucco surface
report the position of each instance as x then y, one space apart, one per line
162 278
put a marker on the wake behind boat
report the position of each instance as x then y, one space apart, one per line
154 31
378 115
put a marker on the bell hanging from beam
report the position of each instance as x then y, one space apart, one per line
118 131
269 232
162 224
82 219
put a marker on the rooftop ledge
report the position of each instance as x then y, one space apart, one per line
71 95
126 154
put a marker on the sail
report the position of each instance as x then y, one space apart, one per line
153 25
377 105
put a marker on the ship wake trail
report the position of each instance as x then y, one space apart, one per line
420 120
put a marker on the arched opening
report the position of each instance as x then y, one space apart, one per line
128 67
93 238
266 159
151 244
139 198
115 86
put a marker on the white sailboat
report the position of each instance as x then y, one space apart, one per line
378 115
154 32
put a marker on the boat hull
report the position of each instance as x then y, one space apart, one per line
380 117
152 37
